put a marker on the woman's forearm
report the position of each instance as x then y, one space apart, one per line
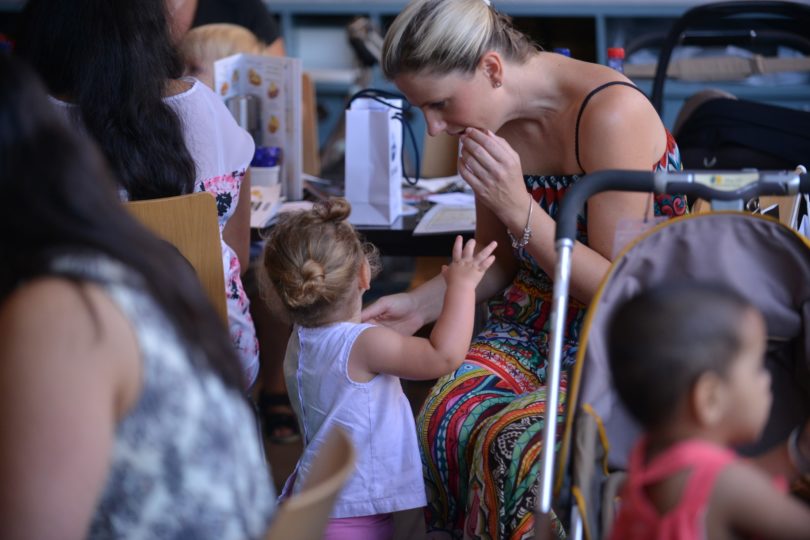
588 266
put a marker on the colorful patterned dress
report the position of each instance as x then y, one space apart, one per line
481 427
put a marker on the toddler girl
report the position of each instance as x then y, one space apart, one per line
688 363
340 371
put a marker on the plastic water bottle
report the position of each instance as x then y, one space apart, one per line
615 58
266 166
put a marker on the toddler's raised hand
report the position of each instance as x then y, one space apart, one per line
468 267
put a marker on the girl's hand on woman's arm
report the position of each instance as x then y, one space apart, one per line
400 312
379 350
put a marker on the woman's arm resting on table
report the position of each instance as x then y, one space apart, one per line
236 232
68 370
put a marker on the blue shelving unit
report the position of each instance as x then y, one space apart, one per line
589 27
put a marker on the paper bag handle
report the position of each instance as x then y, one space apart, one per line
380 96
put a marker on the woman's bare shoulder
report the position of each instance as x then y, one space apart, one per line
45 302
52 320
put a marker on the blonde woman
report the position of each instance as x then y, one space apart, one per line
251 14
204 45
531 123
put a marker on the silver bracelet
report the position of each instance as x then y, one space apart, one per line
527 230
799 460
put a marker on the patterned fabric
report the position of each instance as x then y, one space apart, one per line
186 461
221 151
240 323
481 427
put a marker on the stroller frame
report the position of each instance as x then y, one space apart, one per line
725 189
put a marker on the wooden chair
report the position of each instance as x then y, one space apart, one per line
304 516
190 223
311 157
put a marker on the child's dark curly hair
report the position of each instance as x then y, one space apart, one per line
662 340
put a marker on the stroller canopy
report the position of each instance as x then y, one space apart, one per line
766 262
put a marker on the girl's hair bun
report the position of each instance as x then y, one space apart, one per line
335 209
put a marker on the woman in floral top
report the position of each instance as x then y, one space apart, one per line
116 73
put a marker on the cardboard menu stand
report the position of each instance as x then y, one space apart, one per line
274 83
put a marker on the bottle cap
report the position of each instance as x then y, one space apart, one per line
565 51
266 156
615 52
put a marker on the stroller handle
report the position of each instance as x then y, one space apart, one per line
709 185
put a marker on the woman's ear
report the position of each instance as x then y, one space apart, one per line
491 64
364 279
709 399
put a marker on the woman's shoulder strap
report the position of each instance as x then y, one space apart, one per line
582 109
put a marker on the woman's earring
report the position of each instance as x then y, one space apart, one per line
496 84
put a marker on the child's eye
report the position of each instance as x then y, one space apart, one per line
438 105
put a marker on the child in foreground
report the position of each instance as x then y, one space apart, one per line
688 363
341 372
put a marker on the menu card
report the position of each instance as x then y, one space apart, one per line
275 83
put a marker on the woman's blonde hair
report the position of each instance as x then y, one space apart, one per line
312 260
208 43
443 36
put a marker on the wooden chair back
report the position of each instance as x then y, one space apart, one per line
190 223
304 516
311 156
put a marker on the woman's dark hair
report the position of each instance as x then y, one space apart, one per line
662 340
114 60
61 198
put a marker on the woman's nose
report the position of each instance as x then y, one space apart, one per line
435 124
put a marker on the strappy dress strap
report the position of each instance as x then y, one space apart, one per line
582 109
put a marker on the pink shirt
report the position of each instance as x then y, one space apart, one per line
638 519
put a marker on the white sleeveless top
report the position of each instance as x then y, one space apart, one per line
375 414
221 151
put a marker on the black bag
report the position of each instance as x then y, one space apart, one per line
738 134
735 133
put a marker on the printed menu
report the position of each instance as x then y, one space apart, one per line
275 85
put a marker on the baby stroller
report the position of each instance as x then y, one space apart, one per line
759 257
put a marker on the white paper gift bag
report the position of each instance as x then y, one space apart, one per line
373 160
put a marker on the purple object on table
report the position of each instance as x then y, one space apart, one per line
266 156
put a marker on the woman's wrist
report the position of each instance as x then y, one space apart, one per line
428 298
522 230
